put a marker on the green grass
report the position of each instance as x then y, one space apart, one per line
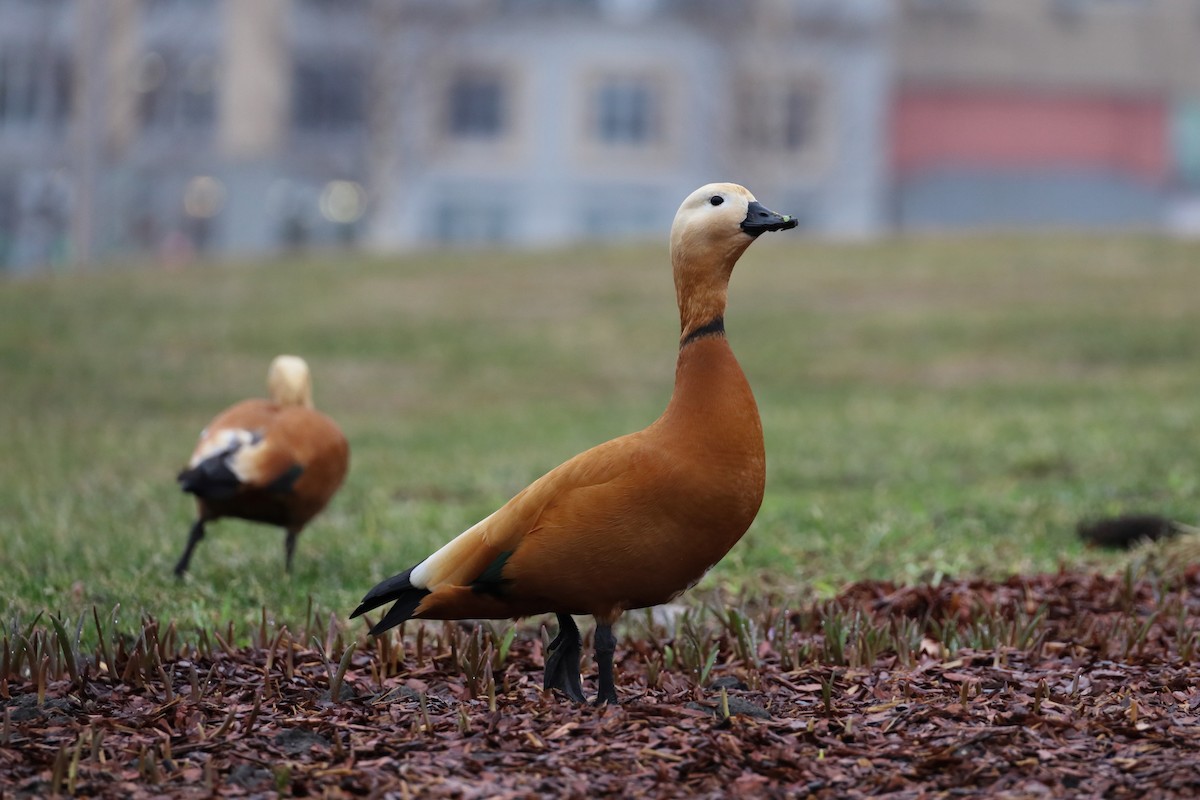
931 407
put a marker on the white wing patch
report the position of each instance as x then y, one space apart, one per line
420 575
235 444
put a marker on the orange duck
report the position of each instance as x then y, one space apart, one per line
637 520
276 461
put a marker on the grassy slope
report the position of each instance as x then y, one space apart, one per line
930 407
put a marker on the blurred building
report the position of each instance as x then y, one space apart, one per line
1045 112
37 63
171 127
544 121
168 128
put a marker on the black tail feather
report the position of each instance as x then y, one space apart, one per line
212 477
398 588
401 611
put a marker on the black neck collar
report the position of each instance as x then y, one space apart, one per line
714 328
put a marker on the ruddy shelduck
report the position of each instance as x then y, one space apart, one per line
276 461
637 520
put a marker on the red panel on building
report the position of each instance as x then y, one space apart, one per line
1001 129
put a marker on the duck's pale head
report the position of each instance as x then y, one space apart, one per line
289 382
725 216
712 228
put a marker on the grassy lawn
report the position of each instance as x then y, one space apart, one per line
931 407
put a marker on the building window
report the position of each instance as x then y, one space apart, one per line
176 94
328 95
18 88
35 89
780 118
626 112
476 106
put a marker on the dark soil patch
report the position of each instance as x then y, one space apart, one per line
1062 685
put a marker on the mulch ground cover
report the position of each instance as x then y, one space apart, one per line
1064 685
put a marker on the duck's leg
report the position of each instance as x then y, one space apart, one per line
289 548
606 645
194 537
562 660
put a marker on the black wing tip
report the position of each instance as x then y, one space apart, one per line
212 477
402 611
379 628
188 479
365 606
398 588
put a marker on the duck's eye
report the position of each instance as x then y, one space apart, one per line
717 200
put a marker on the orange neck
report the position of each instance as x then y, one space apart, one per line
702 271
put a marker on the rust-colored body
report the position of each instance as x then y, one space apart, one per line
291 436
629 523
637 520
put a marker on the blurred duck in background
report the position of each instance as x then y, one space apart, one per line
276 461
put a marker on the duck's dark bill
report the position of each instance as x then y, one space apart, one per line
760 219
